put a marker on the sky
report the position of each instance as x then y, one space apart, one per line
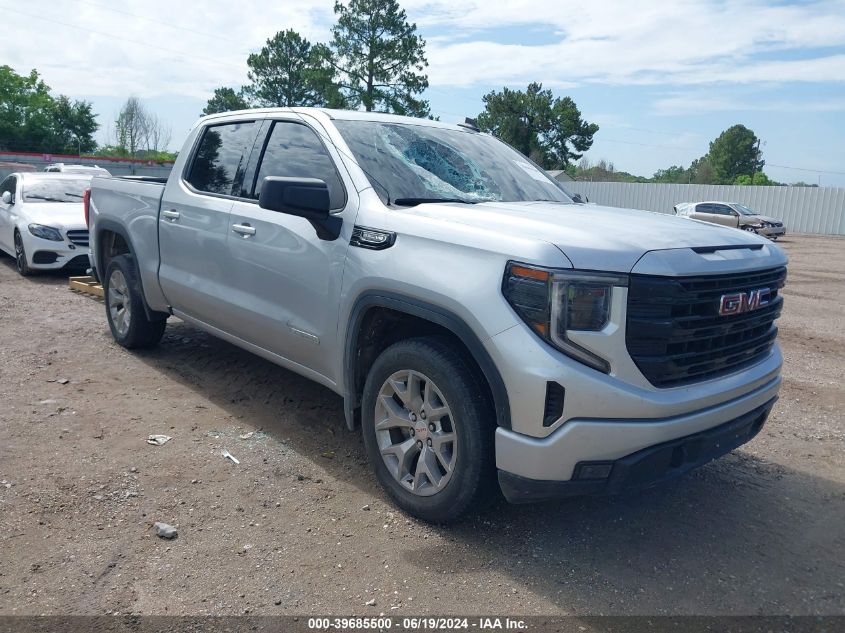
661 79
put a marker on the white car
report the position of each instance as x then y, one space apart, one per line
42 221
88 170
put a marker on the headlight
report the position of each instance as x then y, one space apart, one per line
556 302
45 232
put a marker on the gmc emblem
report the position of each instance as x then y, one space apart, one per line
739 302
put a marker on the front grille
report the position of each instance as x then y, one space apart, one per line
676 336
80 237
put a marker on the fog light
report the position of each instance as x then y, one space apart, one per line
593 470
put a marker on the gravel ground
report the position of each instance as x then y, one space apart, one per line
301 527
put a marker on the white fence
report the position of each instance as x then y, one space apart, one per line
803 209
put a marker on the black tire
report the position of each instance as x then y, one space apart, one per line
141 332
473 480
21 264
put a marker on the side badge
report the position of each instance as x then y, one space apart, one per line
372 239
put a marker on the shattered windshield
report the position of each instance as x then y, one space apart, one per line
410 164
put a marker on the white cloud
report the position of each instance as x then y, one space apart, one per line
685 104
640 42
94 47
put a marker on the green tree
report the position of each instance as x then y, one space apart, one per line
701 172
736 152
379 56
289 71
674 174
26 112
31 119
225 100
548 130
74 125
759 179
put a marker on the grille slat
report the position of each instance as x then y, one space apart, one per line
78 237
676 336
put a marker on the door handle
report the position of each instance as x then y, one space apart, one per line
170 214
243 229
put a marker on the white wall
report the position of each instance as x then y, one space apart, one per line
803 209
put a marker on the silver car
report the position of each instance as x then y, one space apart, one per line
732 214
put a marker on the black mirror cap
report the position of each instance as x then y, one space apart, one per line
304 197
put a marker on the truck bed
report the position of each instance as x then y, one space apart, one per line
130 205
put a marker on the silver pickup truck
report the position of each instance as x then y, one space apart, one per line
483 331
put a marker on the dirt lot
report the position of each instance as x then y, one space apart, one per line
288 530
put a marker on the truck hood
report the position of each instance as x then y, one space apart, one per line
61 215
593 237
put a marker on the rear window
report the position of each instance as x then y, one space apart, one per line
220 160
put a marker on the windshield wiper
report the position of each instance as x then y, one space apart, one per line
75 195
51 199
412 202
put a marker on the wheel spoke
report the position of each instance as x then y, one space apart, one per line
396 415
439 443
403 453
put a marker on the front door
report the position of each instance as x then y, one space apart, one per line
7 225
194 221
725 215
285 280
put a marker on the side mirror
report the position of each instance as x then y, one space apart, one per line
7 197
576 197
303 197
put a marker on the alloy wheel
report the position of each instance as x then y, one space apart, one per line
20 255
415 432
120 307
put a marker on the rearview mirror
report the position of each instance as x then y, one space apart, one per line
7 197
303 197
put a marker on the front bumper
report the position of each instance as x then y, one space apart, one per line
555 457
643 468
53 255
772 231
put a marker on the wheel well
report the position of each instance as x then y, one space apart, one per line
111 244
382 327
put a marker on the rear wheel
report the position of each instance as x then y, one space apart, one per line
125 312
428 429
20 257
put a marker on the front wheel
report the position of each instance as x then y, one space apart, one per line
749 229
21 265
429 429
125 312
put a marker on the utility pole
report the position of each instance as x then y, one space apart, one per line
756 160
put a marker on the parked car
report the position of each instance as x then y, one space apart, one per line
481 328
90 170
42 222
732 214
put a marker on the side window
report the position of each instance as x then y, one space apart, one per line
221 157
704 208
722 209
9 184
294 150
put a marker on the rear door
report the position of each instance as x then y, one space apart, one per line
285 280
194 220
703 211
